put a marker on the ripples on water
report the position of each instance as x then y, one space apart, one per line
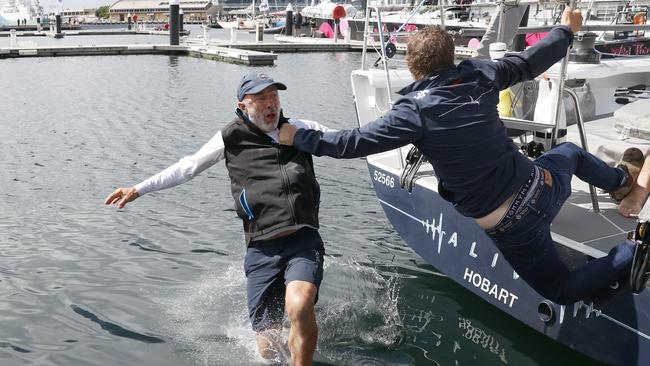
161 282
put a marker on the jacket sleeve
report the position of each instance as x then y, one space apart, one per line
527 65
399 127
186 168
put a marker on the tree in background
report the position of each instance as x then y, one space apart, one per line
102 12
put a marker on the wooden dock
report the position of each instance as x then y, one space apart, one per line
246 53
232 55
33 27
285 44
116 32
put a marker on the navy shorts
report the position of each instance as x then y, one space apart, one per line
271 264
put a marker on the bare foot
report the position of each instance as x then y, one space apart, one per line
632 203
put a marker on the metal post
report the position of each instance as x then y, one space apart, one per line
205 33
13 42
58 33
259 32
502 22
365 38
583 141
180 20
233 35
336 31
380 26
288 26
174 36
442 13
560 89
129 19
519 42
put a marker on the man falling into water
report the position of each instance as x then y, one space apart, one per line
450 114
277 197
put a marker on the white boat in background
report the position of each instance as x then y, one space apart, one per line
15 10
243 24
324 9
456 18
613 96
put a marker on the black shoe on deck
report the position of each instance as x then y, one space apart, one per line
640 264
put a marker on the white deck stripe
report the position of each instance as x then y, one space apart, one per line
578 246
611 222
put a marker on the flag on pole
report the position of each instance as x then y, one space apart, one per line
264 5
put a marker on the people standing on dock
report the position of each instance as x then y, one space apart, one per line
277 197
450 114
297 23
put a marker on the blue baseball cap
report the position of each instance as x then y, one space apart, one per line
254 83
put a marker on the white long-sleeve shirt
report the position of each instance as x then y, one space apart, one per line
209 154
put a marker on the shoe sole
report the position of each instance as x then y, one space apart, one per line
631 162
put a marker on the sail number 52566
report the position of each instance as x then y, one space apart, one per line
384 179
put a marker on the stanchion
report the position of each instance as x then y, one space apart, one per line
174 35
288 26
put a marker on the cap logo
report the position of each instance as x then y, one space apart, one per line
262 76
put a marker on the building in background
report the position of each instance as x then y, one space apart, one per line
78 16
158 10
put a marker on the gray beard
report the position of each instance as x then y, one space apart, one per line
261 124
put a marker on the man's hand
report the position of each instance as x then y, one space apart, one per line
287 133
121 197
572 19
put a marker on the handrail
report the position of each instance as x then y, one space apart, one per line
382 40
583 141
560 88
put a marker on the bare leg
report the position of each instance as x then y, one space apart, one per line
268 343
303 334
632 203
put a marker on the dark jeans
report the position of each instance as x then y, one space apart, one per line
526 243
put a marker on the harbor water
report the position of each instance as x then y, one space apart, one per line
161 282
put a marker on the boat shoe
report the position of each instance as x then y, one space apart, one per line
631 162
640 267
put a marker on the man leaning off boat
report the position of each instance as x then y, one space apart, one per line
284 253
450 113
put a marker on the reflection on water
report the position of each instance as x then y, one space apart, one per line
162 282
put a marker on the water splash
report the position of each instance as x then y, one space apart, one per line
362 324
211 320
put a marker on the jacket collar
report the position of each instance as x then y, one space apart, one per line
248 123
431 81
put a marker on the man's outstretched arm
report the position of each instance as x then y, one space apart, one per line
399 127
536 59
178 173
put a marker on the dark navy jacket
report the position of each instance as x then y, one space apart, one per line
452 118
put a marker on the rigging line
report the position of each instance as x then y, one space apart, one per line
631 329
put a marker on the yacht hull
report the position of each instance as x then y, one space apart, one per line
615 330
